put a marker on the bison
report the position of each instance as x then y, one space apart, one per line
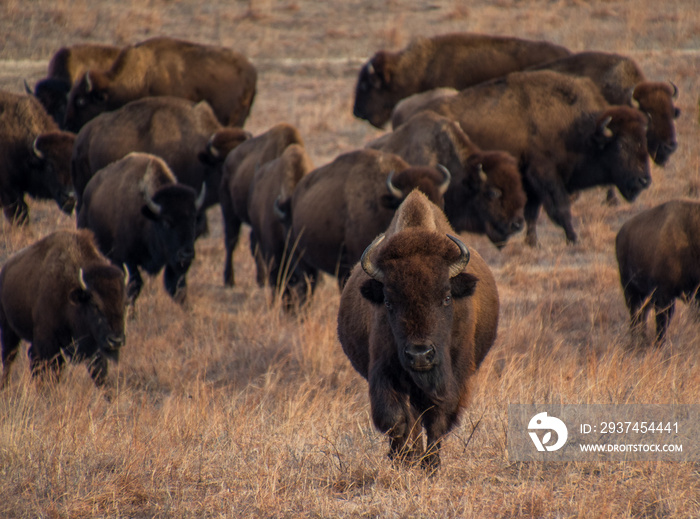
165 66
485 195
336 210
185 134
657 254
65 67
416 319
238 172
456 60
563 134
66 299
277 263
34 157
142 217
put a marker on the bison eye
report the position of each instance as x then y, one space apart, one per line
447 301
80 101
388 305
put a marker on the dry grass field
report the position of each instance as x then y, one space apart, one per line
227 407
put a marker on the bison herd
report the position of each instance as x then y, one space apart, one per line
487 130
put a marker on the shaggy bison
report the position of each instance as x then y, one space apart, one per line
65 67
563 134
34 157
238 172
416 319
336 210
165 66
61 295
485 195
142 217
657 253
456 60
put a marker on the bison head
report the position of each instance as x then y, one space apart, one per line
620 136
433 182
49 169
52 93
376 93
89 97
96 307
418 278
656 100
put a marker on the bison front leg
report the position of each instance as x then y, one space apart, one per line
16 211
175 283
437 423
42 365
232 228
664 313
10 343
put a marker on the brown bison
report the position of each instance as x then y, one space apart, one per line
142 217
185 134
277 263
165 66
416 319
34 157
457 60
622 82
485 194
65 67
657 253
238 172
336 210
563 134
61 295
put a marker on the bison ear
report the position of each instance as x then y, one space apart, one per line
380 70
390 202
78 296
207 159
373 291
463 285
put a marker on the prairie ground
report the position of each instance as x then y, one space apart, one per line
227 407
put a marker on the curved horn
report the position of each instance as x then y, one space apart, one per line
459 265
605 130
36 149
88 83
482 174
279 213
126 274
370 68
675 90
447 178
27 88
199 202
370 268
83 285
395 191
155 208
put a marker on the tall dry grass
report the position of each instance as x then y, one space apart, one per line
227 407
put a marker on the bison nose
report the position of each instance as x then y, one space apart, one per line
517 225
185 255
420 355
671 146
644 182
115 341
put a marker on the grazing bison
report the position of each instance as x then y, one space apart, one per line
65 67
456 60
563 134
622 82
34 157
416 319
657 253
336 210
485 194
274 254
185 134
238 172
165 66
61 295
142 217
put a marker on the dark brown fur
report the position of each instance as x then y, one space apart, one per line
485 195
166 66
42 301
238 172
377 320
554 124
337 209
25 129
456 60
658 254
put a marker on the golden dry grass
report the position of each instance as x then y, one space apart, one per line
229 408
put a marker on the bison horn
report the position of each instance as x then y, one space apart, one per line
604 129
36 149
482 173
395 191
88 83
370 69
199 202
155 208
459 265
27 88
279 213
81 279
370 268
126 274
446 180
675 90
